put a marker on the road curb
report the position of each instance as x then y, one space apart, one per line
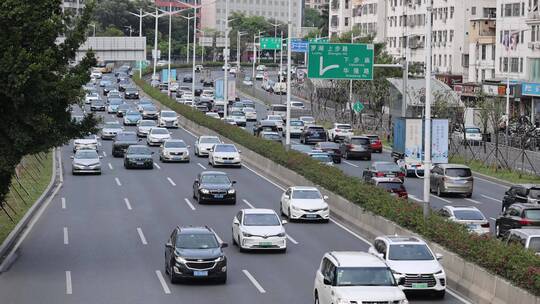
14 236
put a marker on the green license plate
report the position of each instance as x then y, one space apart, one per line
419 285
265 244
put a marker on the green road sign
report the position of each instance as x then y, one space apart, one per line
270 43
142 64
358 107
319 40
341 61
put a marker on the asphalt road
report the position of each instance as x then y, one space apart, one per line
101 240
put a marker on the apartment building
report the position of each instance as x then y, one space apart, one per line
74 6
369 18
315 4
340 15
481 49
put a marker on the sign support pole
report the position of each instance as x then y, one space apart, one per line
427 114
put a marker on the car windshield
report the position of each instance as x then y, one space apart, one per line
112 125
279 108
469 215
297 104
237 113
395 186
296 123
324 158
133 112
532 214
115 101
209 140
147 123
308 119
126 137
139 150
262 219
86 154
410 252
248 110
316 129
159 131
534 243
360 141
196 241
147 107
534 193
472 130
343 127
215 179
364 276
387 167
225 148
175 144
306 194
168 114
458 172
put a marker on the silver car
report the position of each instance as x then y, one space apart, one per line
149 111
144 126
89 142
204 144
110 129
174 150
451 178
86 161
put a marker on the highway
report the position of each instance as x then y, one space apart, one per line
101 239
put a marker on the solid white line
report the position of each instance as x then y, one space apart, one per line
247 203
351 232
63 203
69 288
128 205
457 296
189 204
141 235
189 132
162 282
473 201
291 239
494 183
442 199
66 236
171 181
104 154
157 166
491 198
414 198
263 177
349 163
200 165
253 281
118 181
110 166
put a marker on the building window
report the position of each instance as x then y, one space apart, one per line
346 21
521 65
505 64
483 75
522 40
346 4
451 35
515 9
451 12
465 60
473 10
514 65
493 52
445 62
483 52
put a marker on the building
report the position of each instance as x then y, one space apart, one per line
369 18
340 15
481 49
175 5
74 6
315 4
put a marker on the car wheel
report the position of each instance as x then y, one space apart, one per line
346 155
233 239
368 158
223 280
172 277
468 195
281 209
316 301
239 245
283 250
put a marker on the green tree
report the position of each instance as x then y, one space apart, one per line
37 84
111 31
312 17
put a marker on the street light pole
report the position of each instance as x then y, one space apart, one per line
140 15
289 35
194 44
254 58
238 36
275 37
155 55
226 59
188 26
427 114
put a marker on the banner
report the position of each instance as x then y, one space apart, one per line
219 93
206 41
220 42
413 141
439 141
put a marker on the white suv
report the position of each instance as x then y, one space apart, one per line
355 277
340 131
411 258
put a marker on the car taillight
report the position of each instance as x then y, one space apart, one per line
349 146
401 174
380 174
338 130
524 221
378 142
486 225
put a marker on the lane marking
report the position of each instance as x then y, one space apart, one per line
69 288
263 177
349 163
491 198
473 201
157 166
104 154
200 165
189 204
492 218
171 181
118 181
141 235
291 239
166 289
63 203
350 231
189 132
488 181
128 205
66 236
457 296
110 166
440 198
247 203
414 198
253 281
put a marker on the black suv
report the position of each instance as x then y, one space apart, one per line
313 134
526 193
131 93
122 141
194 253
138 156
517 216
214 186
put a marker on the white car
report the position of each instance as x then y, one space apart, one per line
213 115
184 100
247 81
89 142
259 76
157 136
277 119
162 63
239 118
199 68
224 155
229 120
473 135
233 70
297 105
90 97
411 258
204 144
305 203
280 88
471 217
307 120
174 86
259 229
355 277
296 127
261 67
174 150
110 129
96 74
144 126
207 95
340 131
250 113
168 119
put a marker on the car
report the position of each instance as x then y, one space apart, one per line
527 238
261 67
280 88
174 86
279 109
144 126
297 105
131 93
224 155
113 104
110 129
155 83
97 105
331 148
356 147
248 103
304 203
392 185
199 68
277 119
473 135
340 131
201 107
250 114
517 215
523 193
122 109
307 120
267 85
149 111
122 141
208 83
174 150
313 134
375 143
123 84
157 136
207 95
213 115
132 117
86 161
260 229
88 142
356 277
233 70
90 97
383 169
296 127
266 126
195 253
96 74
236 106
168 119
114 94
239 118
229 121
144 102
451 178
225 67
469 216
138 156
162 63
259 76
187 79
272 136
247 81
322 157
410 258
214 186
188 95
107 89
204 145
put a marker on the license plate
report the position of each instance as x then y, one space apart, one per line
311 215
200 273
227 161
218 196
390 175
419 285
472 226
265 244
140 163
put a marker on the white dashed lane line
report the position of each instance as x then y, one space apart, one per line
69 288
291 239
118 181
66 236
63 202
254 281
128 204
110 166
104 154
163 283
351 164
200 165
171 181
248 203
189 204
157 166
491 198
141 236
473 201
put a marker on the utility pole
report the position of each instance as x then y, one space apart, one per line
289 35
188 18
140 15
254 58
155 55
170 13
275 37
194 44
427 113
238 53
226 59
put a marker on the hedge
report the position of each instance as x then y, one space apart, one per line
521 267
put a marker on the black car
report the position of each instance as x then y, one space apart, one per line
198 92
138 156
526 193
194 253
265 125
208 84
131 93
97 105
331 148
123 84
107 89
214 186
122 109
187 79
122 141
383 169
313 134
207 103
356 147
517 216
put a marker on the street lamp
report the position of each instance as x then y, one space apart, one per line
202 45
94 26
156 15
427 113
275 37
130 29
238 36
255 52
289 35
226 59
187 48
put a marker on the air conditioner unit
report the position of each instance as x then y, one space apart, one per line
393 8
530 45
537 45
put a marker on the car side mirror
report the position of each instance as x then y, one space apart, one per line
168 245
325 197
438 256
326 281
284 222
234 182
101 156
72 157
401 281
224 245
239 151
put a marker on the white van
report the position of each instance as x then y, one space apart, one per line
279 109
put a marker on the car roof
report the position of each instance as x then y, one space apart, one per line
453 166
174 140
402 239
213 173
356 259
383 163
138 146
528 186
526 231
458 208
164 111
303 188
259 211
194 230
526 206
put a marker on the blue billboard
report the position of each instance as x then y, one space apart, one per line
530 89
299 45
219 93
439 141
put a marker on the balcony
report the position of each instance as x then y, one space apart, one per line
533 18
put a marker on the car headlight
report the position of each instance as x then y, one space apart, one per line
231 191
439 272
204 191
245 234
325 208
180 260
219 259
295 208
78 166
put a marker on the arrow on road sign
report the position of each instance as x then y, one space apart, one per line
358 107
323 69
